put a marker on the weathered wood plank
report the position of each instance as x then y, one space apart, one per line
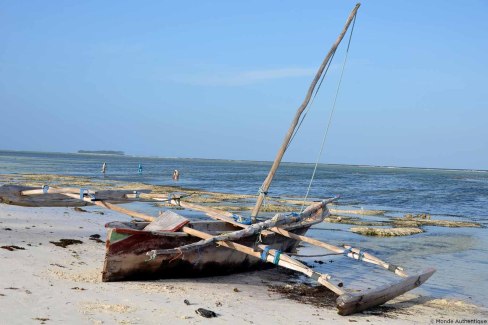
167 221
351 303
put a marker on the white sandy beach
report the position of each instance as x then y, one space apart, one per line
48 284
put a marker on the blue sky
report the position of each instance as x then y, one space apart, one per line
223 79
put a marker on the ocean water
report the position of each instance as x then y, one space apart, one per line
460 255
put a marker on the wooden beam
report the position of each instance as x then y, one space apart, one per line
353 253
211 212
289 134
114 207
52 190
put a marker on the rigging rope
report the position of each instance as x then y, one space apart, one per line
330 117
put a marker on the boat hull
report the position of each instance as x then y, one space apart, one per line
126 257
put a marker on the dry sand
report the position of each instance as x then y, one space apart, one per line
48 284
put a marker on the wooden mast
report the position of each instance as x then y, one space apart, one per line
267 182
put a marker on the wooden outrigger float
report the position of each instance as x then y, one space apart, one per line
172 246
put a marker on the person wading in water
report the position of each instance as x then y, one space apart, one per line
176 175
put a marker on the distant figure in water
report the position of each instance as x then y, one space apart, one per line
176 175
104 168
139 170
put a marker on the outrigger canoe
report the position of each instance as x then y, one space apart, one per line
170 247
128 243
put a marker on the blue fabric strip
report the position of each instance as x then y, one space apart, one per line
264 253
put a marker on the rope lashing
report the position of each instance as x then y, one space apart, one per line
277 257
136 194
45 189
173 197
264 193
152 256
242 220
258 241
361 255
264 253
347 251
83 191
261 191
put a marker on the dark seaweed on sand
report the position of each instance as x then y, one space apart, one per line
66 242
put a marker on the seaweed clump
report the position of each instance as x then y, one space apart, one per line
318 296
386 232
66 242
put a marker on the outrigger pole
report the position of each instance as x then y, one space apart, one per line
263 191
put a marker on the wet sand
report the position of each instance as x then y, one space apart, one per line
44 283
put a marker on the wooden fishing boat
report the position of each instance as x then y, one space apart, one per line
184 248
128 243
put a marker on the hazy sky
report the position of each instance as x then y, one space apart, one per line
223 79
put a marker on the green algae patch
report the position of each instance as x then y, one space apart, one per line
232 208
423 219
386 232
353 221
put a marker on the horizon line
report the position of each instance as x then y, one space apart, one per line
249 160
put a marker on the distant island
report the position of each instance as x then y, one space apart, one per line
102 152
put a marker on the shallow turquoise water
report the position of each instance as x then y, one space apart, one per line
459 254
